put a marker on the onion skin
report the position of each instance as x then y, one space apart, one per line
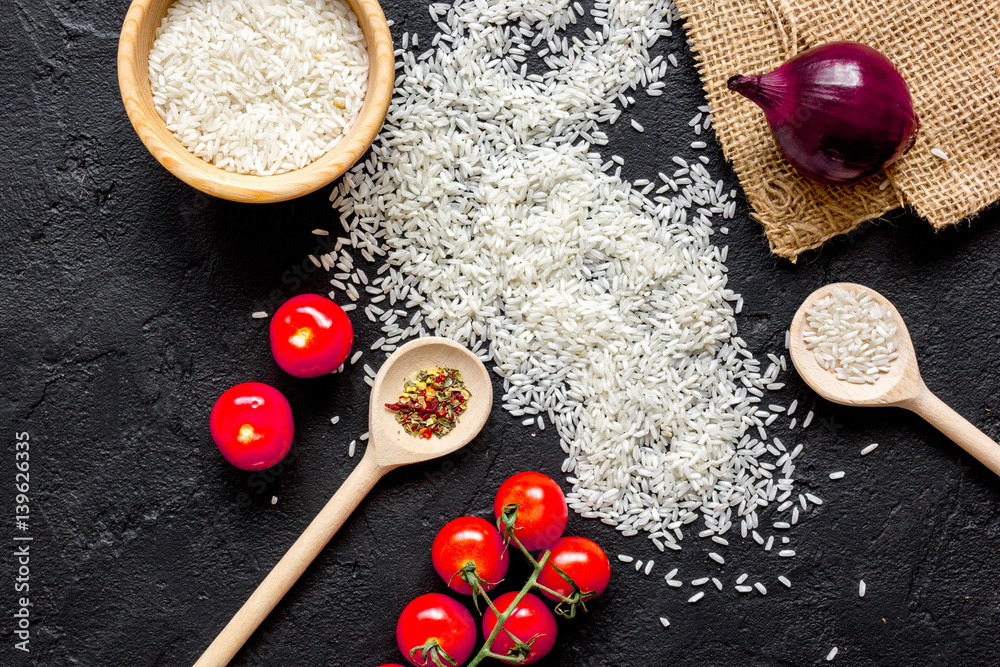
839 112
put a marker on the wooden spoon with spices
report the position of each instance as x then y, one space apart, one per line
901 387
389 446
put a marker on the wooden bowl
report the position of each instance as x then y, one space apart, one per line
138 32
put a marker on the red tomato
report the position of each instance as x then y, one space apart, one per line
466 540
585 563
542 516
435 624
251 425
310 336
531 619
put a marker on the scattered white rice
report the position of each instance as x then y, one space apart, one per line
783 579
259 315
258 86
649 567
334 419
851 335
832 654
320 232
862 588
274 500
625 559
787 553
807 420
696 597
717 558
937 152
603 307
760 588
869 449
638 127
664 621
351 448
837 475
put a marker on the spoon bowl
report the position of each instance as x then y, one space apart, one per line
389 446
392 445
901 383
902 386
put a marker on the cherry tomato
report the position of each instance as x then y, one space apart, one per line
435 624
542 516
310 336
584 562
466 540
531 619
251 425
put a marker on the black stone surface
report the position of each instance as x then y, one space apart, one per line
126 300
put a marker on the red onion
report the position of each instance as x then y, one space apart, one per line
839 112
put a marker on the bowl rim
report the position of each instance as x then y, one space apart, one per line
133 83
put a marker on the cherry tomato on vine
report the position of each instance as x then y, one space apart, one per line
310 336
252 426
434 627
469 540
542 515
531 619
583 561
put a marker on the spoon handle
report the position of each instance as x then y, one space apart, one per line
293 563
956 427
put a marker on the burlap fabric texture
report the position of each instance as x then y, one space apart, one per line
947 50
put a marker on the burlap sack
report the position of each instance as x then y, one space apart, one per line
947 50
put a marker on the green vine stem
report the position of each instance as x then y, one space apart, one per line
506 524
482 592
555 594
527 554
485 652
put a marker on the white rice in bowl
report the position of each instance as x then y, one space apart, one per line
259 87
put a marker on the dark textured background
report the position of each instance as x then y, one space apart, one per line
125 311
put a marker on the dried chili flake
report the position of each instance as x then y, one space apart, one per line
431 402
